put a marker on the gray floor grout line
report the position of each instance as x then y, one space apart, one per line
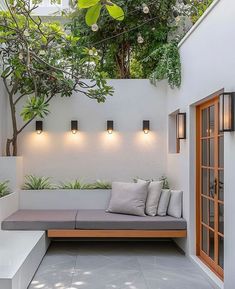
75 267
142 272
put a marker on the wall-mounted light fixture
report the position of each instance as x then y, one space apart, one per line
110 126
39 126
227 110
74 126
146 126
181 125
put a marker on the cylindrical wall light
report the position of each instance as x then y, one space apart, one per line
146 126
39 126
181 125
226 109
74 126
110 126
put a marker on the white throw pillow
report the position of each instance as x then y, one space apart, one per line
154 194
128 198
175 204
163 202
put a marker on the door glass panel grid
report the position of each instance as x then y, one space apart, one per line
211 186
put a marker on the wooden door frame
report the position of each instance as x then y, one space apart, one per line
218 271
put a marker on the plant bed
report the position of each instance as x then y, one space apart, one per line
59 199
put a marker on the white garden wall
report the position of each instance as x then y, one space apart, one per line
208 62
92 153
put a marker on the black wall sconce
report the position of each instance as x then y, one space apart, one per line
74 126
110 126
181 125
226 111
146 126
39 126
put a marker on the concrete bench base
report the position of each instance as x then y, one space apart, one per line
20 255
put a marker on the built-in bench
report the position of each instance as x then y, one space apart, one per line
95 224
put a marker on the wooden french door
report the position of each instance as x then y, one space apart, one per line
210 187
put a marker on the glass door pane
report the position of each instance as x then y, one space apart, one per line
221 152
204 244
221 218
221 185
221 252
212 245
204 131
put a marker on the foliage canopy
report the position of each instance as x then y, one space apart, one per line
39 62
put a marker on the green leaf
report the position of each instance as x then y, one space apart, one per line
35 106
93 14
6 71
87 3
115 11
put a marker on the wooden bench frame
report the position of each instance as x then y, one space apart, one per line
117 233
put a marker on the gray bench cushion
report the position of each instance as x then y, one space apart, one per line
101 220
40 220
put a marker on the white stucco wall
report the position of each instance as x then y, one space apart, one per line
208 62
92 153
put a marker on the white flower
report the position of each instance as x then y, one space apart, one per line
91 53
94 27
26 33
42 52
140 39
145 9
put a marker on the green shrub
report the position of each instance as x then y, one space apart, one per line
73 185
4 189
101 185
198 8
78 185
37 183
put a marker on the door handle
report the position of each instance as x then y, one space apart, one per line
213 188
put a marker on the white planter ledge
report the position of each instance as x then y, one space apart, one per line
8 205
20 255
63 199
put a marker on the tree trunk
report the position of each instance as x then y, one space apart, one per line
8 147
12 147
123 60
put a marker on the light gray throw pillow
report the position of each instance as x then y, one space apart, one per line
128 198
154 194
163 202
175 204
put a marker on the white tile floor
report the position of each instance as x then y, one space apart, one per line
117 265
